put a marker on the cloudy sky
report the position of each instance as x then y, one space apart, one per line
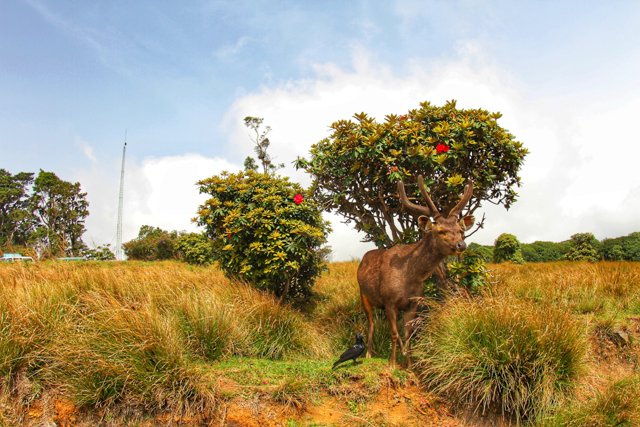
180 76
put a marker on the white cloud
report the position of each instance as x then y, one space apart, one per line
159 191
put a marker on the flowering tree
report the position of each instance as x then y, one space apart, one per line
355 169
264 231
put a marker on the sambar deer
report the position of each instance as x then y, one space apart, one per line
393 278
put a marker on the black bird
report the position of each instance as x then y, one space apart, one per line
353 353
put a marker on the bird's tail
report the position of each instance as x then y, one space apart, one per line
335 364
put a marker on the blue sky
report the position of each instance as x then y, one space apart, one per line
180 76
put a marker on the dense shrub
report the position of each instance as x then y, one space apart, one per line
264 231
583 247
540 251
485 252
195 248
152 244
469 271
499 354
507 248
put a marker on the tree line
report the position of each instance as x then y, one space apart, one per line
42 215
580 247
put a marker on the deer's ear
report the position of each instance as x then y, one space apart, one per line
424 223
467 222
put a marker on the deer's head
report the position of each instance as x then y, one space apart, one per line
447 231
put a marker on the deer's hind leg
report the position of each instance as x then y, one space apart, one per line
368 309
408 319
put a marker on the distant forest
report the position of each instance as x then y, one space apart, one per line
582 246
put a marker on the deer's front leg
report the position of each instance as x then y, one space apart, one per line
392 315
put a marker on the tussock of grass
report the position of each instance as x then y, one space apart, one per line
501 354
29 321
117 354
207 325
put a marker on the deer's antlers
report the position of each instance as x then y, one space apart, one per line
468 192
432 210
410 206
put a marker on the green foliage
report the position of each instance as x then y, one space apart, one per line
469 271
507 248
250 164
485 252
152 244
625 248
16 219
613 252
355 169
261 235
100 253
195 248
539 251
584 247
497 354
60 208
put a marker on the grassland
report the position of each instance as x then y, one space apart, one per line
164 343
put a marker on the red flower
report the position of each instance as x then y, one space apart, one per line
442 148
298 199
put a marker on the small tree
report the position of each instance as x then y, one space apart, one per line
507 248
264 231
152 244
262 143
584 247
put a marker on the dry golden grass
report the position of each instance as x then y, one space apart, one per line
135 333
141 336
601 290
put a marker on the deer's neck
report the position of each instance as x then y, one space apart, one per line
427 256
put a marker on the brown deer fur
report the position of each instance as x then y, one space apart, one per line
393 278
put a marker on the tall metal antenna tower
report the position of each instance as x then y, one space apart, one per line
119 253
